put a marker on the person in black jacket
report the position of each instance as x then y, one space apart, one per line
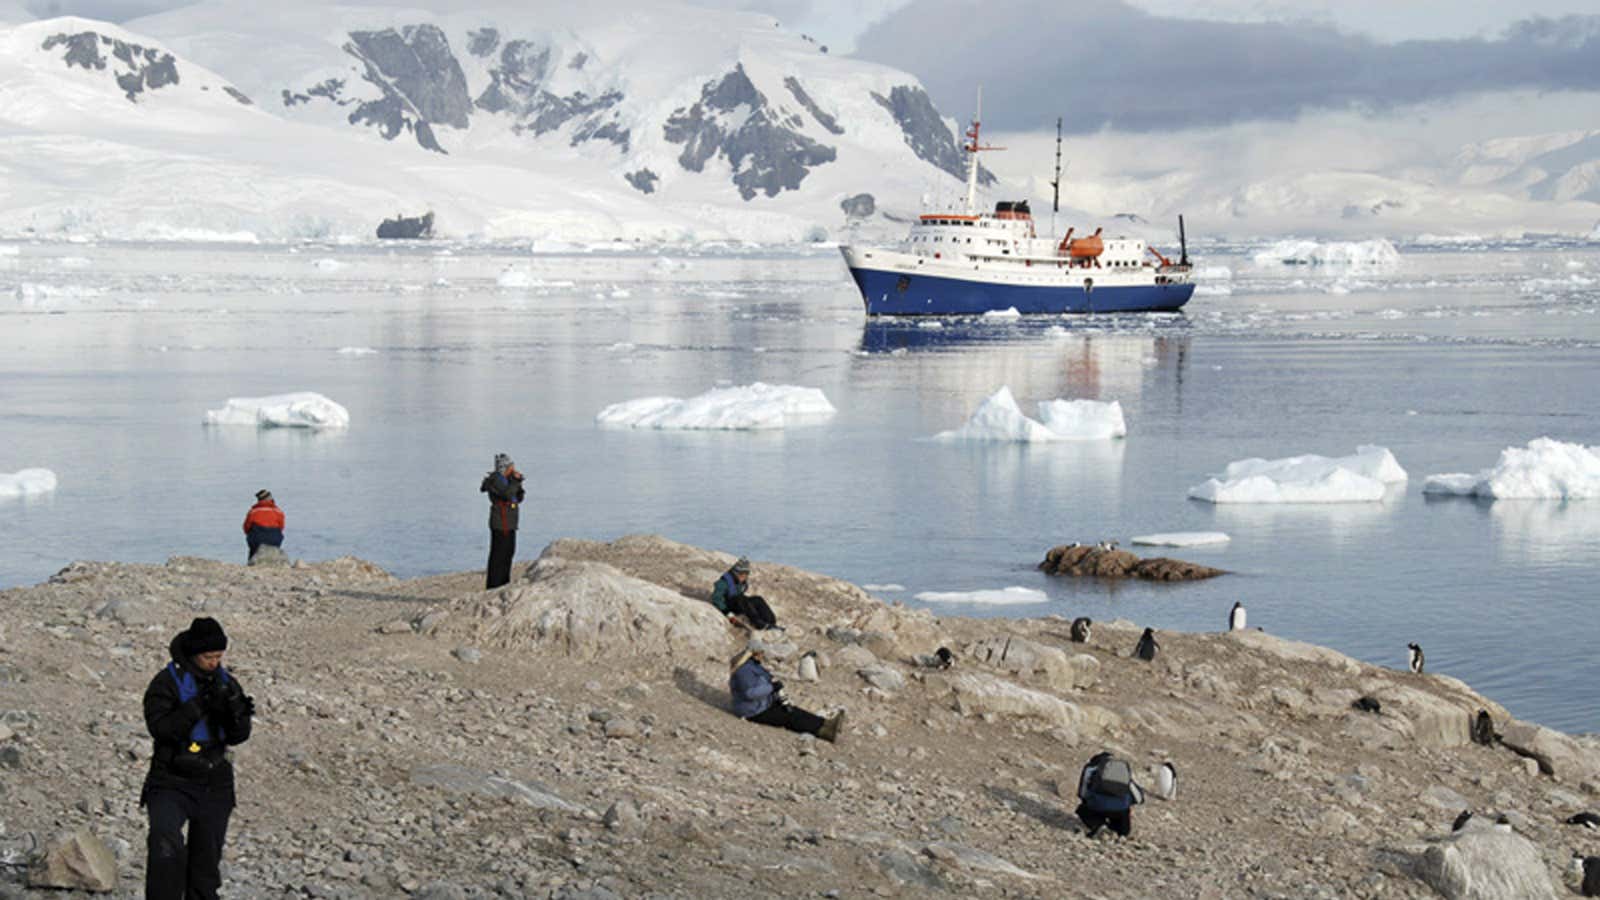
504 487
195 709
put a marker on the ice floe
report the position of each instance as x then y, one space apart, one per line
355 351
27 483
995 597
1181 539
999 419
1546 469
1008 313
328 264
883 588
754 407
1376 252
304 409
1360 478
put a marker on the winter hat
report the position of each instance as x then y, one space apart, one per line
742 566
263 494
204 636
502 462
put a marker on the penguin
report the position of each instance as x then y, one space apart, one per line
1483 729
1167 781
1111 545
1461 820
1236 619
1147 647
1591 877
1367 704
1414 658
808 666
1080 629
945 657
1586 819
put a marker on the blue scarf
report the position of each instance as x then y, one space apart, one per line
188 689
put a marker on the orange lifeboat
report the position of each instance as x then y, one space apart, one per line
1084 248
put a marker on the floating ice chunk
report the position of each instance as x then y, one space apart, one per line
1083 420
513 277
1010 313
355 351
1000 597
883 588
754 407
622 347
1182 539
1595 234
50 296
299 410
1377 252
10 250
1360 478
1213 290
27 483
1546 469
999 419
1213 273
328 265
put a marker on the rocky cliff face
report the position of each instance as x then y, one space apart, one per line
733 120
926 132
137 69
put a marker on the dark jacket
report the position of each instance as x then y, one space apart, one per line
173 722
751 687
505 496
726 588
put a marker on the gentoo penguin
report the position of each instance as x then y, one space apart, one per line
1080 630
945 657
1414 658
808 666
1236 618
1591 877
1483 728
1586 819
1167 781
1367 704
1147 647
1461 820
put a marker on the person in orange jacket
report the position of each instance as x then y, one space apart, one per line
264 524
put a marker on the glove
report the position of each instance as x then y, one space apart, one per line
214 698
241 706
777 687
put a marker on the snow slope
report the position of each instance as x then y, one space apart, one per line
601 120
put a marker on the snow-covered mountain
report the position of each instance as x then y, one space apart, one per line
1557 167
596 121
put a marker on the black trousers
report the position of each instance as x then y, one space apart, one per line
754 610
1094 820
782 715
502 547
176 869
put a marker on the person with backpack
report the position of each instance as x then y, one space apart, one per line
504 487
195 710
731 596
1107 794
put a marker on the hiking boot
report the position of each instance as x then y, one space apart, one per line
830 728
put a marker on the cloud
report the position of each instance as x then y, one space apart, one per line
1104 63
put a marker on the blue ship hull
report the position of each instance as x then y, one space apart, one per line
890 293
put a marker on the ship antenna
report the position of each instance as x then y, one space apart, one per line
974 147
1055 202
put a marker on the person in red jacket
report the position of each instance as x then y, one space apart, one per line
264 524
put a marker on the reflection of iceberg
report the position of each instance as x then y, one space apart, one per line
1544 470
755 407
1359 478
1549 532
999 419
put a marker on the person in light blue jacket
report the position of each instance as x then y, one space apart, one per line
759 698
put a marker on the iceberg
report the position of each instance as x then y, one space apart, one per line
754 407
883 588
1359 478
996 597
1007 313
1181 539
1546 469
1377 252
27 483
355 351
999 419
299 410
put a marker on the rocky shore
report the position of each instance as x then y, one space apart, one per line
568 736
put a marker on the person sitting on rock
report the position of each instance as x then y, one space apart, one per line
758 698
263 525
195 710
731 596
1107 794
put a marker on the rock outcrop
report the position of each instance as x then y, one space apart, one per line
77 861
1486 865
1078 559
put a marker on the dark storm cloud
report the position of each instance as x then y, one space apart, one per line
1104 63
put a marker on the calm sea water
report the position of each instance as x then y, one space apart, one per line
109 355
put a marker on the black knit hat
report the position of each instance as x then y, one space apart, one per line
204 636
263 494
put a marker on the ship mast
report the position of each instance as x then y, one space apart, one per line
1055 201
973 148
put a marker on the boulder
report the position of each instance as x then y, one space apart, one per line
1556 753
270 557
77 861
587 610
852 656
985 695
1432 721
1051 665
883 677
1098 563
1486 865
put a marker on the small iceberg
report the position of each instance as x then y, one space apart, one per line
1546 469
1377 252
27 483
1182 539
998 419
883 588
298 410
755 407
1360 478
994 597
355 351
1007 313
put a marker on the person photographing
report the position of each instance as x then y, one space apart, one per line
504 487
